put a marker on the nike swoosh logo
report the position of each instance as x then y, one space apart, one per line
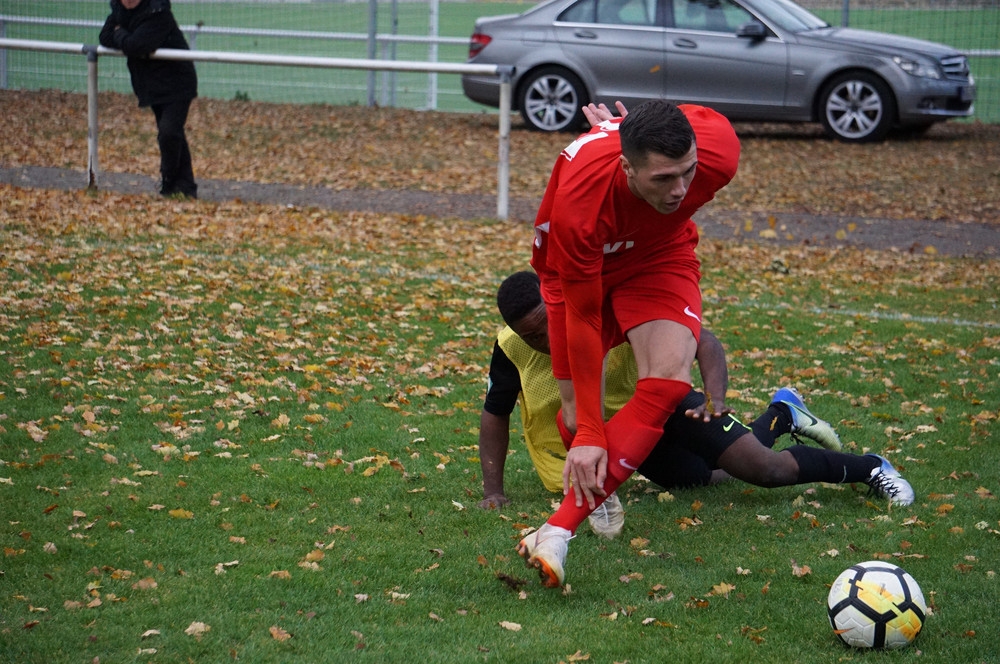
728 427
812 420
539 229
688 312
625 464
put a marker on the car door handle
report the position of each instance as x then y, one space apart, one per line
685 43
585 34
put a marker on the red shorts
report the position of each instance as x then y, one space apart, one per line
666 291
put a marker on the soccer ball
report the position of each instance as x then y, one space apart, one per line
876 604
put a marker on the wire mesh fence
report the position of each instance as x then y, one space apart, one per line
424 30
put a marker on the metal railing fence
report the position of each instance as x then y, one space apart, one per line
93 52
380 44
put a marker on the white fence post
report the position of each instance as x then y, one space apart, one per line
503 154
3 56
433 54
92 126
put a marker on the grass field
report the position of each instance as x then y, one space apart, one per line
236 432
966 29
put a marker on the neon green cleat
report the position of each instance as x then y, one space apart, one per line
804 422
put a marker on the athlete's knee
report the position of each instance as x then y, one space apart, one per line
663 349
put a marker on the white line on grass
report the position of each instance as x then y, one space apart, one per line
873 315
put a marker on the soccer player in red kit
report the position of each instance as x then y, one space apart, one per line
615 251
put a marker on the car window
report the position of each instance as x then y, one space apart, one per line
790 16
710 15
612 12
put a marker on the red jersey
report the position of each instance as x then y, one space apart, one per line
591 226
592 232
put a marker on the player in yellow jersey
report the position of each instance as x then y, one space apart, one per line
698 447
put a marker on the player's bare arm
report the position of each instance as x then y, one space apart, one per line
711 358
494 441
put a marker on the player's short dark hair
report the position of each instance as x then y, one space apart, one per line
518 295
655 126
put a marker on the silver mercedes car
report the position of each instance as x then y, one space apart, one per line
752 60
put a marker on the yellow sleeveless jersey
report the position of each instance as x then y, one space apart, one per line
539 400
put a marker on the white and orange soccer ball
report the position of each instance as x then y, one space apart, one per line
876 604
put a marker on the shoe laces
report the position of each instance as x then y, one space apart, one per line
550 534
884 483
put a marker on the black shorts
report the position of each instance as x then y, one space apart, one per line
690 449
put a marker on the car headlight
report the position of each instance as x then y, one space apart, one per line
917 68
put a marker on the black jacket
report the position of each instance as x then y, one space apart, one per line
140 31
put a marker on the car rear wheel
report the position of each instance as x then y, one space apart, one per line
552 99
857 107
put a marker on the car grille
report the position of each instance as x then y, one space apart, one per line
956 67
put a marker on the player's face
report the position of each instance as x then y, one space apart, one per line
534 329
662 181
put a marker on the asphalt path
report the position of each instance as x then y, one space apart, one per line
976 240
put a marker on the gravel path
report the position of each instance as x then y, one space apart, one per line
912 236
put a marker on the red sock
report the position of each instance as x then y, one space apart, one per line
636 429
632 434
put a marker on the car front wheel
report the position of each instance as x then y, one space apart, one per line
857 107
552 99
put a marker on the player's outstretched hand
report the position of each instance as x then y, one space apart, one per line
598 113
707 410
493 501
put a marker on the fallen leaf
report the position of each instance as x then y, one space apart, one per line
222 567
722 589
800 570
279 634
197 629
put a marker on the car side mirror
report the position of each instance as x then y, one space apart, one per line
752 30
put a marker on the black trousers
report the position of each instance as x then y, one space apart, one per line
176 174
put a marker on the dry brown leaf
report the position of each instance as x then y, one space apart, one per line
800 570
149 583
278 634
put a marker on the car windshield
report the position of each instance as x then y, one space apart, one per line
789 16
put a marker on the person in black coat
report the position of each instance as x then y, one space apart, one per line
137 28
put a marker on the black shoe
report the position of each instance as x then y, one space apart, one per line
172 189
